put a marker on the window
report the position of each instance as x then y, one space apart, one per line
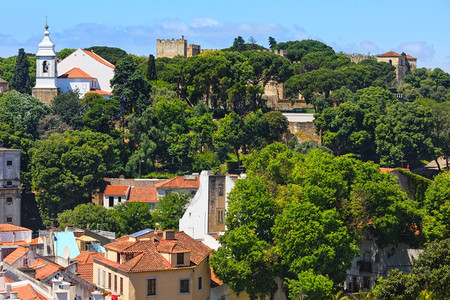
9 200
98 276
121 285
184 286
200 283
377 257
9 182
8 219
151 287
220 216
120 199
111 201
115 283
180 258
220 190
44 67
9 162
104 278
109 281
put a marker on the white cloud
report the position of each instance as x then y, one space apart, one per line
421 50
203 22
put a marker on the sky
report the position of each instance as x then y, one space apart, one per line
417 27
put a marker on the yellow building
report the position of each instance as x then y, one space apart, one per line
154 265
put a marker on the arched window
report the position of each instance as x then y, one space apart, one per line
390 61
45 67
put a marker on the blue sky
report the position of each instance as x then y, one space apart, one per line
420 28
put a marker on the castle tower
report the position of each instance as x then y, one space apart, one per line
46 74
398 61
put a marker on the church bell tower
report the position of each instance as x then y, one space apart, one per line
46 72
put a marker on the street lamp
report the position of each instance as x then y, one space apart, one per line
141 161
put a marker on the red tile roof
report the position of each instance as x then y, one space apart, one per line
410 57
143 194
44 268
100 92
390 54
28 292
35 241
16 243
117 190
180 182
10 227
15 255
76 73
85 266
99 59
214 278
147 253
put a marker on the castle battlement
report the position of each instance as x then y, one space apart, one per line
174 47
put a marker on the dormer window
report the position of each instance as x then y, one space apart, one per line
180 258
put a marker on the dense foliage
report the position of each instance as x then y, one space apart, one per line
304 214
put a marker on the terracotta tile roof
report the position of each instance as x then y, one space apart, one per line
15 255
410 57
10 227
390 54
148 256
214 278
180 182
76 73
87 256
143 194
8 280
28 292
44 268
85 266
117 190
171 247
100 92
120 244
16 243
35 241
99 59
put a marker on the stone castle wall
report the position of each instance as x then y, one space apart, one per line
171 48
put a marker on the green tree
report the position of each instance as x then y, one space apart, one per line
101 115
397 286
23 111
69 107
88 215
404 132
111 54
67 167
64 53
437 208
21 79
272 42
432 267
169 210
310 285
308 238
151 68
130 88
238 44
229 135
245 263
132 217
297 49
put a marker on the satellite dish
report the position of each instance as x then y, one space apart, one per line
66 252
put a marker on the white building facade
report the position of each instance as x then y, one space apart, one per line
82 71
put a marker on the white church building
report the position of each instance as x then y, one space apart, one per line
83 71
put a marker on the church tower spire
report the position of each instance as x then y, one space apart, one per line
46 72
